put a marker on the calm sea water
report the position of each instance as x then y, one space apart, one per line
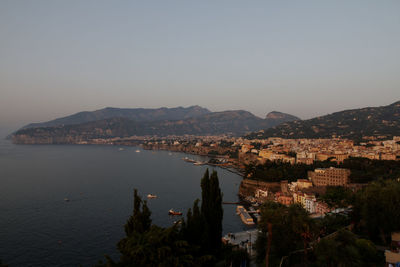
38 228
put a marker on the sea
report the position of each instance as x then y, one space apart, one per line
38 227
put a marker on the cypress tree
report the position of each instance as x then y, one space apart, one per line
212 212
205 192
140 220
217 212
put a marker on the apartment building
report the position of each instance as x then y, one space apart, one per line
329 176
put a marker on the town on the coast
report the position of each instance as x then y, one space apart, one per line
313 191
239 153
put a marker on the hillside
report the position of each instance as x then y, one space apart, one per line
380 122
136 114
236 122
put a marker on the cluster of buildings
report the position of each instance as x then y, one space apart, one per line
306 191
307 151
242 151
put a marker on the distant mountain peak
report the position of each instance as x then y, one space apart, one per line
280 115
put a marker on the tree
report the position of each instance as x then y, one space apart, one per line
193 228
135 228
140 220
283 230
377 209
215 215
197 242
344 249
338 196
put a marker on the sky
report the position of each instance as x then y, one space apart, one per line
306 58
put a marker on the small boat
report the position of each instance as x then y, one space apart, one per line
137 151
121 149
189 160
172 212
66 199
151 196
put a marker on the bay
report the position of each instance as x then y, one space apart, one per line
39 228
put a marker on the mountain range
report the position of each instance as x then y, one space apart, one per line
136 114
378 122
115 122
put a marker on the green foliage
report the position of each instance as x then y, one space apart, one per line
291 227
235 257
211 212
331 223
156 247
344 249
197 242
193 228
140 220
234 154
377 209
338 196
275 171
292 233
363 170
225 143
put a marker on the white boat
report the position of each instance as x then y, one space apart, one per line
151 196
121 149
66 199
137 151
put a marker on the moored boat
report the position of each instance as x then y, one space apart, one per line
151 196
172 212
189 160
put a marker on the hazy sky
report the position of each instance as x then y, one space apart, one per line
306 58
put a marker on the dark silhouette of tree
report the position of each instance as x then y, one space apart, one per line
283 229
203 226
194 242
215 214
344 249
338 196
377 209
140 220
